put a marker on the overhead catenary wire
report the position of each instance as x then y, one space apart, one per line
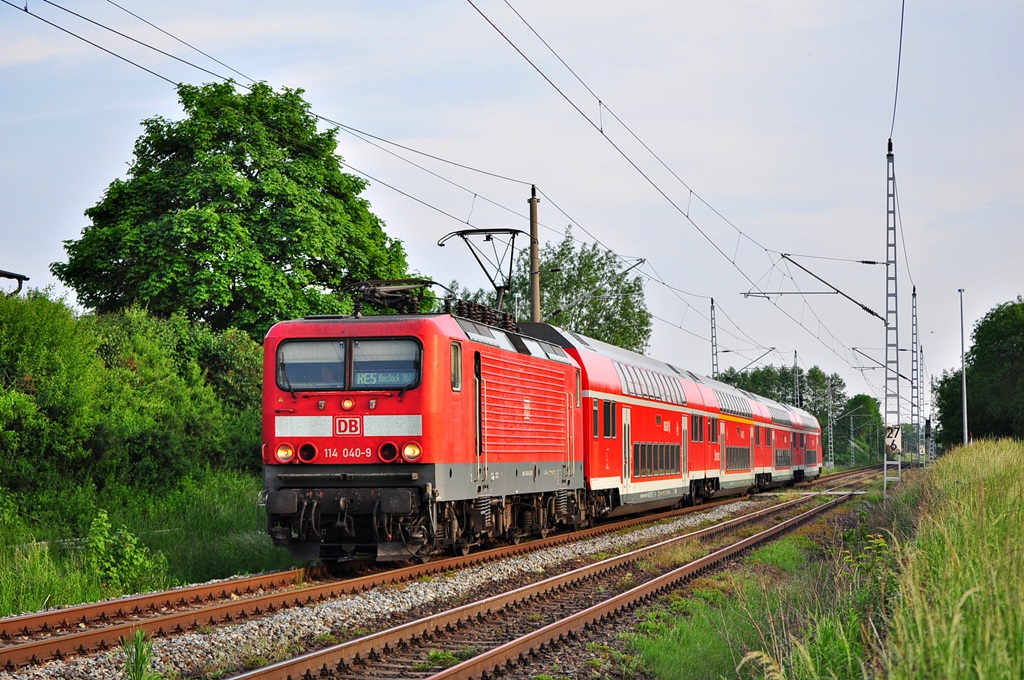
388 185
899 61
176 38
599 127
26 10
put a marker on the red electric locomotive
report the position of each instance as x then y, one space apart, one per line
394 437
397 436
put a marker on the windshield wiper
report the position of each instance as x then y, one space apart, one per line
415 379
287 382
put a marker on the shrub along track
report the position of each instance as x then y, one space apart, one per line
35 638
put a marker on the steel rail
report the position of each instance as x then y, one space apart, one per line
310 664
137 605
161 624
510 652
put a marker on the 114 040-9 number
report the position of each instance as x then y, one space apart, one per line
347 452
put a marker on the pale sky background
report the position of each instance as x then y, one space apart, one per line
775 114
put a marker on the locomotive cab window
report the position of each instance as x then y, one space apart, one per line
311 365
456 367
385 364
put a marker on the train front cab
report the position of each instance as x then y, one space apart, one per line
394 437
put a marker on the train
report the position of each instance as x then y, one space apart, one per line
401 436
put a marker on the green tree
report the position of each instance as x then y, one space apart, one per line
238 215
860 421
995 382
584 289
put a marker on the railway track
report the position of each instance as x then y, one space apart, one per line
495 632
36 638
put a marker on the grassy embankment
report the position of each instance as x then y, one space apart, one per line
928 585
206 530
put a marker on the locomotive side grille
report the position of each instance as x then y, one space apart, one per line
522 400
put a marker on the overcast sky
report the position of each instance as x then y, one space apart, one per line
769 122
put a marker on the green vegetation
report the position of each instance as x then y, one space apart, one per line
129 454
206 529
138 655
442 658
237 215
995 384
926 585
960 613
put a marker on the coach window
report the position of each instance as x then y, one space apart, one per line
597 417
662 392
609 419
578 390
456 367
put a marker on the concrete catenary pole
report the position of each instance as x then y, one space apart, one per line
534 257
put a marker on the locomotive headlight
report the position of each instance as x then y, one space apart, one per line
284 453
412 452
347 404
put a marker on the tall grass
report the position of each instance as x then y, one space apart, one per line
207 529
960 613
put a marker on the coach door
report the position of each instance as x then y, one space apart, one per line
480 471
720 424
627 451
684 447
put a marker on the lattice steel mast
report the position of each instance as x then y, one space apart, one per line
892 468
714 343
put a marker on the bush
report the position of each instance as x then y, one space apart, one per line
51 383
131 403
118 561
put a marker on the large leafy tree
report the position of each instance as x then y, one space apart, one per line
995 381
238 215
584 289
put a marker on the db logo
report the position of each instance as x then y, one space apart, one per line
347 426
